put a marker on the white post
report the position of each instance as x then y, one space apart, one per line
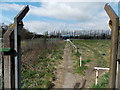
96 81
80 61
100 68
97 73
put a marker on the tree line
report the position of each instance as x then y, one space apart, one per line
83 34
64 34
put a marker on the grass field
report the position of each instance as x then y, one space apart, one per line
39 63
97 52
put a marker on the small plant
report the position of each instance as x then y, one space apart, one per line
102 82
39 72
81 69
77 54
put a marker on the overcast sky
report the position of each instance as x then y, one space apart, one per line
49 16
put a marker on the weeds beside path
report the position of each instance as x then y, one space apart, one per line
92 50
66 77
39 64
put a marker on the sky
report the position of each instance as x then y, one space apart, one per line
58 15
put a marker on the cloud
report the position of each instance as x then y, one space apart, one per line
41 26
7 7
68 11
60 0
62 10
6 19
86 16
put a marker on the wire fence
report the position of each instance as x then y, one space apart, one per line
38 43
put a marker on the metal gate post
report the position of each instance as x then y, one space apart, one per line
11 50
1 79
118 62
17 57
114 44
18 26
118 66
7 45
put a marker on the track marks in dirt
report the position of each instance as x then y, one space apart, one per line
65 76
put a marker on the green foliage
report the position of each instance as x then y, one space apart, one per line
85 61
81 69
77 54
92 49
102 82
26 34
41 74
77 68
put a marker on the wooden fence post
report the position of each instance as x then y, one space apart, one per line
114 44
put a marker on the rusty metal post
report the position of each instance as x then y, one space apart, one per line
114 44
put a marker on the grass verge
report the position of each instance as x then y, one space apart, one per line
77 68
102 82
39 72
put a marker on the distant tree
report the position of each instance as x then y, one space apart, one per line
26 34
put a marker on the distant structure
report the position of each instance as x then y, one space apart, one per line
83 34
65 36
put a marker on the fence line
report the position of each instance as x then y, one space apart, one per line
95 68
76 50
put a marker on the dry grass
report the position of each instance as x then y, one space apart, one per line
39 62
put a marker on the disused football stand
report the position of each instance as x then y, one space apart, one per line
114 81
11 52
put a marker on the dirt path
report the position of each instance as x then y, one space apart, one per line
70 79
90 72
65 76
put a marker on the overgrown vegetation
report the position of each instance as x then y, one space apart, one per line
81 70
98 52
77 68
103 81
39 64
